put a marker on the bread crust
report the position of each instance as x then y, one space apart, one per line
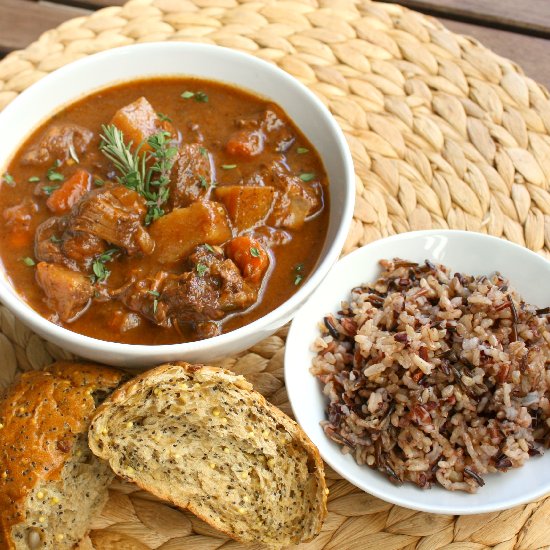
149 378
41 415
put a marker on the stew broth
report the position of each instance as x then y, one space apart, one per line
240 174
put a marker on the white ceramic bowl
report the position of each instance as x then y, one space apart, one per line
471 253
98 71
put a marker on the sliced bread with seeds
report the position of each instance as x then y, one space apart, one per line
50 482
203 439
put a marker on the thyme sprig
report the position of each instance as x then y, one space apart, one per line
146 171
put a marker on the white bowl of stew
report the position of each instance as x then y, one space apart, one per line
168 201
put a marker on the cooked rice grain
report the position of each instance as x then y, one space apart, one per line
436 378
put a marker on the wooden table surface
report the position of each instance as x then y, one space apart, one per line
517 29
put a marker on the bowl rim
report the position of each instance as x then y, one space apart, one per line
337 462
35 321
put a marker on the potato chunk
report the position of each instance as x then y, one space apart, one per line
177 233
138 121
247 205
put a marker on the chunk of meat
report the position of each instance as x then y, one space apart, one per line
19 217
72 190
295 200
192 175
68 293
180 231
56 144
213 288
247 205
47 242
271 236
138 121
53 243
250 256
275 133
115 214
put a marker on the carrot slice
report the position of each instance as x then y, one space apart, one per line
64 198
249 256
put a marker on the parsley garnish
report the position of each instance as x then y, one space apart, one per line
147 172
205 184
8 178
55 176
33 179
164 118
101 273
209 248
302 150
307 176
201 269
229 166
28 261
203 151
55 239
154 293
49 189
254 252
298 274
200 97
99 182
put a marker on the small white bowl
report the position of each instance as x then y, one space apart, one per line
95 72
471 253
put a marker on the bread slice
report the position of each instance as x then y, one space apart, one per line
203 439
50 482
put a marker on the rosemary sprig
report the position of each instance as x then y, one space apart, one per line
146 171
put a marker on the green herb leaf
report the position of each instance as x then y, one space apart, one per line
164 118
302 150
201 97
203 151
55 239
72 153
28 261
307 176
8 179
49 189
155 305
146 172
187 94
255 252
101 273
99 182
33 179
154 293
52 175
201 269
298 273
229 166
209 248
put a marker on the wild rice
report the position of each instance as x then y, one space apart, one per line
436 378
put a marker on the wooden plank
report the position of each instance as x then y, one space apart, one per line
22 22
91 4
530 52
529 16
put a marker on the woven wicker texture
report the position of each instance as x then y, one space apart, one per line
444 133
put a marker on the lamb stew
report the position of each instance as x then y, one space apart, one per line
161 211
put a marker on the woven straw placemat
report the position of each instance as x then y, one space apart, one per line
444 133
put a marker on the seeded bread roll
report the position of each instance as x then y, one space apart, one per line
203 439
50 482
